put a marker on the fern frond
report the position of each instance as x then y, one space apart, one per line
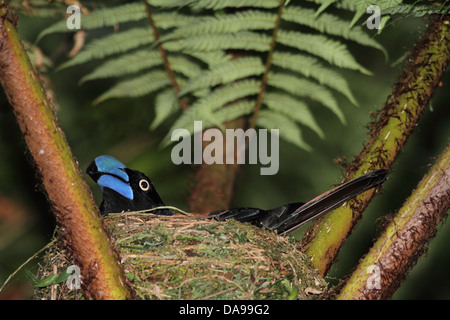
139 61
120 42
166 104
234 110
306 88
211 58
185 66
215 5
288 129
125 65
199 41
168 20
225 73
230 23
41 9
210 119
244 40
107 17
100 18
407 10
292 108
136 87
324 6
330 24
220 97
311 67
227 94
359 7
334 52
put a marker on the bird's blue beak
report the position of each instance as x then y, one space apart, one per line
108 172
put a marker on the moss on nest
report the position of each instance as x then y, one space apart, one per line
182 257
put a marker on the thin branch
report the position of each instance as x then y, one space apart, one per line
397 250
389 133
265 78
162 52
69 195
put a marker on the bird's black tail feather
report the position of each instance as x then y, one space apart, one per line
290 217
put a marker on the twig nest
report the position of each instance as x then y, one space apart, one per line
182 257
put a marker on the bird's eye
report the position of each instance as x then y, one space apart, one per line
144 185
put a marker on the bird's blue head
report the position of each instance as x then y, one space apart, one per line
123 189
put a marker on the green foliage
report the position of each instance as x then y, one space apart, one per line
218 51
417 10
48 281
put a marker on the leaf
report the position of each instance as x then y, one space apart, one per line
136 87
330 24
210 119
244 40
120 42
408 10
125 65
288 129
52 280
292 108
230 23
108 17
100 18
225 73
306 88
204 108
226 94
211 58
334 52
234 110
215 5
311 67
360 7
166 104
140 60
324 5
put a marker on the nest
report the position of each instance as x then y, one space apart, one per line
182 257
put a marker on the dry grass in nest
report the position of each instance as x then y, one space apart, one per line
182 257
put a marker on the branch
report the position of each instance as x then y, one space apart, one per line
402 243
389 133
162 52
68 194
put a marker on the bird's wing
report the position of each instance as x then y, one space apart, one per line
290 217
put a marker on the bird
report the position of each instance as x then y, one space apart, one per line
125 189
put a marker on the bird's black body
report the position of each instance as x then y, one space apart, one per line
125 189
290 217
